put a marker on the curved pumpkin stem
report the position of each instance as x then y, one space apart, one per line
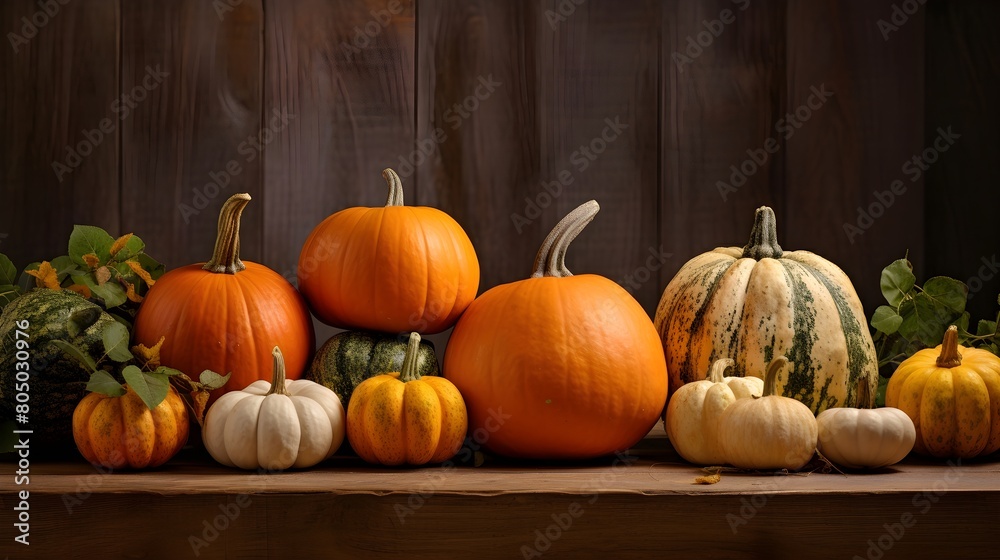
717 372
226 257
551 257
409 371
771 377
950 356
278 378
864 395
395 188
763 242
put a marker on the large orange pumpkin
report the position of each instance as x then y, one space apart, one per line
226 315
558 366
392 269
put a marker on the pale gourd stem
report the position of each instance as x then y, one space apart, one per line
409 370
717 372
950 356
395 188
771 377
278 378
551 257
763 242
226 257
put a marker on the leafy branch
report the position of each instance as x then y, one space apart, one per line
916 317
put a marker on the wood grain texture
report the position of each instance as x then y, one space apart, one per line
492 511
60 80
598 66
193 103
721 97
963 188
346 72
849 152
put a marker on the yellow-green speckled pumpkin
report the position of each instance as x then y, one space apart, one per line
758 302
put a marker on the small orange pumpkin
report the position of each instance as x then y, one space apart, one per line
227 314
392 269
952 394
119 432
573 364
398 418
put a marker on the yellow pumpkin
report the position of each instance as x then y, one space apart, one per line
119 432
403 418
952 394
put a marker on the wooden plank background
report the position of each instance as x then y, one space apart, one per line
521 92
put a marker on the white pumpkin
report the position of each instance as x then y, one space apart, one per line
275 425
865 438
692 416
770 432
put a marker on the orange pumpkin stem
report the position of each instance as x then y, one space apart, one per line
409 371
226 257
717 372
395 188
950 356
551 257
771 377
278 378
763 237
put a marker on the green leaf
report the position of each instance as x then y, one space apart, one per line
64 266
169 372
948 292
151 387
111 292
79 355
154 268
986 328
27 282
897 281
8 294
924 320
886 319
8 272
115 338
89 239
963 322
133 247
102 382
210 380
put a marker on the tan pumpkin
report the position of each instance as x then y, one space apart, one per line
692 416
770 432
858 438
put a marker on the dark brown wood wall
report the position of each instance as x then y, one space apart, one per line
485 107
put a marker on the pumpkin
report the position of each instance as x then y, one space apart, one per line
58 381
119 432
226 314
350 357
571 365
692 416
401 417
770 432
952 394
391 269
275 425
865 438
758 302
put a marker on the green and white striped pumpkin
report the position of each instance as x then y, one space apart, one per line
758 302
